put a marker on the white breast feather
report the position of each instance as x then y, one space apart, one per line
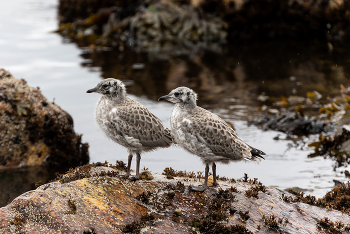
114 114
187 121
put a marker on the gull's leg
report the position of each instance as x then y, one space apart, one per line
202 188
206 175
214 174
138 159
129 165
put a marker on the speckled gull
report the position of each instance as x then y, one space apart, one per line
128 122
205 134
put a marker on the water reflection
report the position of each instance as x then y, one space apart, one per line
14 182
241 72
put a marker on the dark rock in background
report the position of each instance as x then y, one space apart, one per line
263 20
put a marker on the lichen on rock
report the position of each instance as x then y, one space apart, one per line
33 130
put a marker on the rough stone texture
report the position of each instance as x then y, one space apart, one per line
34 131
103 204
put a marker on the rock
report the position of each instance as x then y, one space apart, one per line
210 180
149 28
291 123
104 203
178 212
34 131
335 145
146 175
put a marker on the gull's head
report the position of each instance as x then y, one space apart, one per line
181 95
109 87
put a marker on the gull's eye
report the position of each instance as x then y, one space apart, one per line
176 94
105 86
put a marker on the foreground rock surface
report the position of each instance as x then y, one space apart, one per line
103 203
34 131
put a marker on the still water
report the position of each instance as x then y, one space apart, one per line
30 49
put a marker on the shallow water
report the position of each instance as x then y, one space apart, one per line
30 50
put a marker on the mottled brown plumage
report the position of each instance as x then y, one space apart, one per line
136 121
205 134
219 137
128 122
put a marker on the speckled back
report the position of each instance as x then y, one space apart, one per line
131 124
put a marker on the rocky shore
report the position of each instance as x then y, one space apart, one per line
95 199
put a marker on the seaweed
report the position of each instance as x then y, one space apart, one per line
272 223
144 197
335 228
244 215
338 198
170 173
180 187
252 192
120 165
135 226
84 171
218 211
300 197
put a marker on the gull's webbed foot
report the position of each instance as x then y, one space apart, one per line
200 188
134 178
125 176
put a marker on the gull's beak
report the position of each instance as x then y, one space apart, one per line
91 90
166 97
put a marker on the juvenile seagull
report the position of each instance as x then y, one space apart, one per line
205 134
128 122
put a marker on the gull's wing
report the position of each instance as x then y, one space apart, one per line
216 134
138 122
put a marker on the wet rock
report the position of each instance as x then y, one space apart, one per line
110 204
271 20
325 21
158 26
291 123
34 131
70 11
313 115
335 145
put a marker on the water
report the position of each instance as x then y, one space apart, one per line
30 50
